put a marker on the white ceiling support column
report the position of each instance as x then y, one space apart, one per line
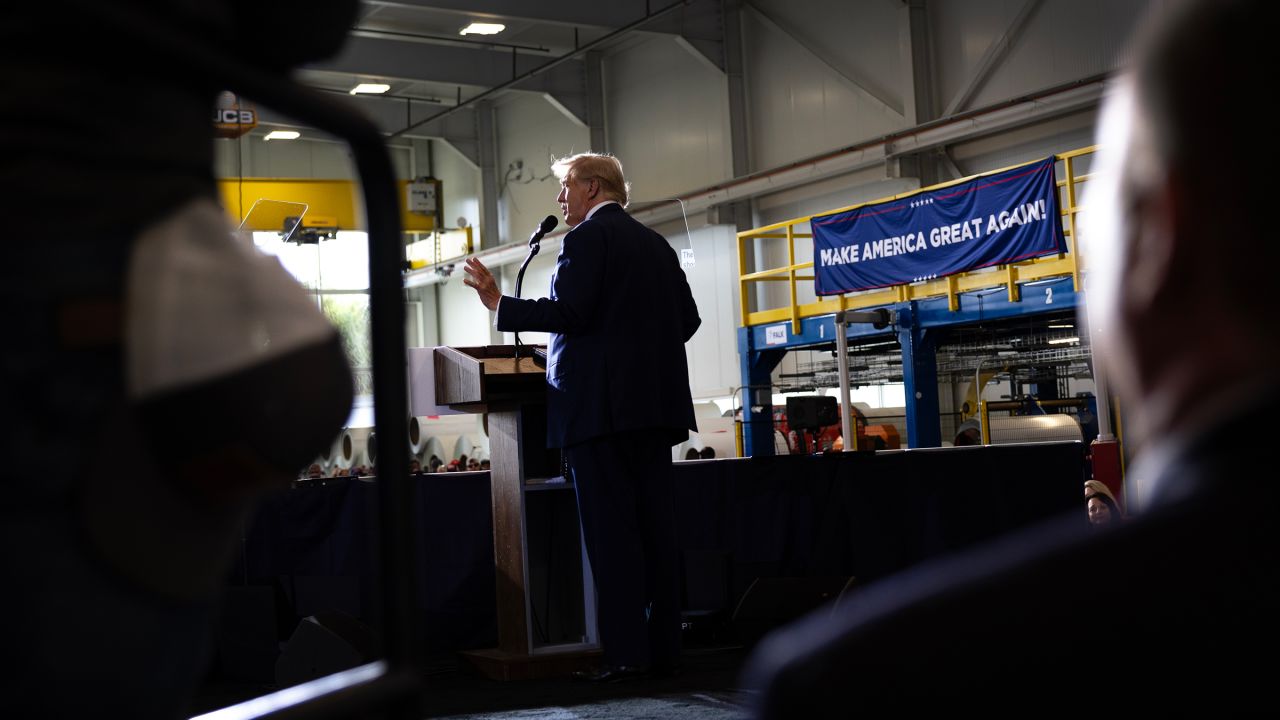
917 53
593 63
487 143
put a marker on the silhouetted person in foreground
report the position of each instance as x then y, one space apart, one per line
1183 595
111 577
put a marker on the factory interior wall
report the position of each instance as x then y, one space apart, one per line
810 89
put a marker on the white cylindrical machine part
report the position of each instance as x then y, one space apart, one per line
462 446
694 443
431 447
330 455
352 448
418 435
1006 429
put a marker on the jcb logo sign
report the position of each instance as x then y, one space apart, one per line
233 122
232 116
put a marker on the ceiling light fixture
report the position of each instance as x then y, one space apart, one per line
283 135
370 89
480 28
1064 341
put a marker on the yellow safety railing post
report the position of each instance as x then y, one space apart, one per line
791 274
742 281
1069 167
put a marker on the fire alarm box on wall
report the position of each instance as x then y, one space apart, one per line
423 196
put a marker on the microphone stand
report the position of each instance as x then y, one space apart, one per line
534 247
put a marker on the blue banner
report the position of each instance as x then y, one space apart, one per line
990 220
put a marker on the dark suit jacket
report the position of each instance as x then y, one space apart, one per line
1176 610
619 314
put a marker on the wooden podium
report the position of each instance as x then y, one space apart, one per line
512 391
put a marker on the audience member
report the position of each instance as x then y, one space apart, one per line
1176 222
1101 504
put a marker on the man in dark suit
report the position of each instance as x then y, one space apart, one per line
1175 610
619 314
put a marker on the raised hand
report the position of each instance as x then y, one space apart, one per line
485 285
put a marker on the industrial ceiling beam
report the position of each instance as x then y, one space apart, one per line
547 74
457 129
614 13
406 59
860 85
992 58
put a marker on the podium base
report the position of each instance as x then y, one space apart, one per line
558 661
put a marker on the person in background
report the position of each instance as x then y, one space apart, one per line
1177 219
1101 504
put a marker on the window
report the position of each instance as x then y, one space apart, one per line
336 271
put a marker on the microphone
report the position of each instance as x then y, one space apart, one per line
548 224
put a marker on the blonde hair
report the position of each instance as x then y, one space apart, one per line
1097 486
601 166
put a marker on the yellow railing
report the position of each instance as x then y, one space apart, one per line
950 286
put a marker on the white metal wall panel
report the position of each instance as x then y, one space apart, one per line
537 284
668 118
426 298
1064 40
285 159
324 160
712 352
1026 144
860 39
463 320
531 131
799 105
460 184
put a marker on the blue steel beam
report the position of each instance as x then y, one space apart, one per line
757 394
919 378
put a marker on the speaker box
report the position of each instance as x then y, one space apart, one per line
812 411
771 602
323 644
705 619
